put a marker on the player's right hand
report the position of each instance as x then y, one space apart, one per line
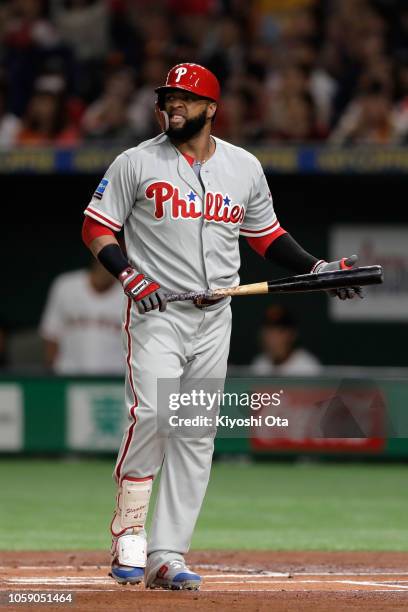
143 290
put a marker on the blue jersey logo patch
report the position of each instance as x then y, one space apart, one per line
101 189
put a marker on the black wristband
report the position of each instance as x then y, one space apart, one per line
113 259
286 252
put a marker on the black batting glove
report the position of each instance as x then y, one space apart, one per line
344 293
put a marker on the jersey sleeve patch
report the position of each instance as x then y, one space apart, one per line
100 190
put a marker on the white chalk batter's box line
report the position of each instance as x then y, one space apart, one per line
235 573
59 580
202 590
246 577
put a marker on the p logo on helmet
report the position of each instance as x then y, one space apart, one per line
180 71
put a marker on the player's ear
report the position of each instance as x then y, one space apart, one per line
211 110
162 117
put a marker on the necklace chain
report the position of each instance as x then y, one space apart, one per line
204 160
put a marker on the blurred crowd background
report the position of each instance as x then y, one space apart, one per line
83 71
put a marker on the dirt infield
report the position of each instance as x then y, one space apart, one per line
261 581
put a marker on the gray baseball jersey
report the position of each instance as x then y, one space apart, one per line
175 232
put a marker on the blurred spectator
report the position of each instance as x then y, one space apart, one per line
84 26
281 354
108 117
273 17
292 114
224 52
141 104
10 125
46 120
27 25
81 323
153 29
28 37
237 117
368 120
291 70
401 108
295 121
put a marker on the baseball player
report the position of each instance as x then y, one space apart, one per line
81 323
183 199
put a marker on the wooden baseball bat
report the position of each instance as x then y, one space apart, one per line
302 283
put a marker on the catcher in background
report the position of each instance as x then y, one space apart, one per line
281 353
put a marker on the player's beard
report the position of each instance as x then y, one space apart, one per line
189 129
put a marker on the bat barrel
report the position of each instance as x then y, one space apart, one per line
358 277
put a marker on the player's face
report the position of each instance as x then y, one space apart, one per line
187 113
278 342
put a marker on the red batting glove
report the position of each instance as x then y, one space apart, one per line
143 290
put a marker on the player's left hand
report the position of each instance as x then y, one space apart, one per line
343 293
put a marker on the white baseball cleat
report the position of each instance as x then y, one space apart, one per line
127 575
128 558
175 575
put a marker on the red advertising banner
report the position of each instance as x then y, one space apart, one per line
321 419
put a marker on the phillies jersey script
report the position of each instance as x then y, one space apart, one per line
182 229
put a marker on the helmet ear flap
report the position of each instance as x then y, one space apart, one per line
161 116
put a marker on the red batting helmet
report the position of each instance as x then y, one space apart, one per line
193 78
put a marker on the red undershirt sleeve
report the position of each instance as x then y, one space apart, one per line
260 244
92 229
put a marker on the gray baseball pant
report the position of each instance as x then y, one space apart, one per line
183 343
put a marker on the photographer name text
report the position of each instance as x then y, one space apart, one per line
228 422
